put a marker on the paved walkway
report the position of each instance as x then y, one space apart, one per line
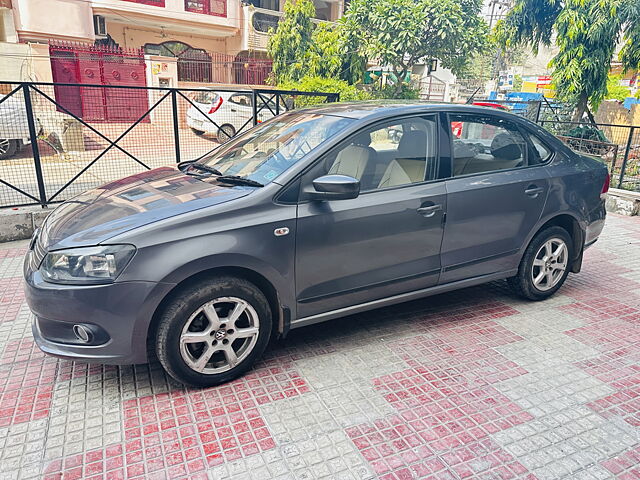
472 384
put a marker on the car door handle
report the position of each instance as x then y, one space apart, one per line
534 191
429 211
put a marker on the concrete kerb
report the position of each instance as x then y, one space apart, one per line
623 202
19 223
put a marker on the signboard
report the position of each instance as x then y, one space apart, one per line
505 80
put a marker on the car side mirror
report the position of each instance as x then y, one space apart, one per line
335 187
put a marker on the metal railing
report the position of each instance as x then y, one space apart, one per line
58 140
616 145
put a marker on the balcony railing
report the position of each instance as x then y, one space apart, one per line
263 19
208 7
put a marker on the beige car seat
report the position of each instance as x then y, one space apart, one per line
410 162
356 160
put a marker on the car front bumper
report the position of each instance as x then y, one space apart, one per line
117 315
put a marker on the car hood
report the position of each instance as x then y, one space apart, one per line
97 215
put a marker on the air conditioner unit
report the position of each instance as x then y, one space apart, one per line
99 26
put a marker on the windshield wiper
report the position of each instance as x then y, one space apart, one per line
203 167
239 180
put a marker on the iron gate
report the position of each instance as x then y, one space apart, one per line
87 65
60 154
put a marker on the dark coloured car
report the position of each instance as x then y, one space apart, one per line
310 216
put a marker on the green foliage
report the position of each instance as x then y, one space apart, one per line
630 53
586 34
289 44
616 91
348 93
323 56
406 92
587 132
517 83
299 48
400 33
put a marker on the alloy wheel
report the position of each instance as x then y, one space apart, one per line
550 264
4 146
219 335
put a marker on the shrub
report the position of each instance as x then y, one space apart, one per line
348 93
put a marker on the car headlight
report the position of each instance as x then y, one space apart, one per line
87 265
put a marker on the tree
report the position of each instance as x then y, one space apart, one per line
586 33
300 48
289 44
402 33
615 91
323 58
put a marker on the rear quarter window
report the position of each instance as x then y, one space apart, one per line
204 97
541 152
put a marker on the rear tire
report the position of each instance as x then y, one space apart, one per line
213 331
8 148
225 133
544 266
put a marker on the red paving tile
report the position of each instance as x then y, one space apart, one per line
446 406
26 389
12 252
11 298
180 433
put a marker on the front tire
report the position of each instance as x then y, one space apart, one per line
213 331
198 132
544 266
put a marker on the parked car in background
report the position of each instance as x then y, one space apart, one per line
224 114
310 216
14 129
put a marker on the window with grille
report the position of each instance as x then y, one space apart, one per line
208 7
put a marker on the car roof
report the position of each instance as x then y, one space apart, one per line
383 108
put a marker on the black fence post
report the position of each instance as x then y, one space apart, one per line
254 101
627 150
33 136
538 111
176 131
277 103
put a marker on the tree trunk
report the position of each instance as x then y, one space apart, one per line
399 82
581 107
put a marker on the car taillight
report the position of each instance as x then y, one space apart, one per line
216 105
605 186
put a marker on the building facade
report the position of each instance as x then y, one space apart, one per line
179 42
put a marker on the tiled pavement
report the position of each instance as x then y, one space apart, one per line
472 384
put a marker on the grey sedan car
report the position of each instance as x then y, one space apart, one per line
310 216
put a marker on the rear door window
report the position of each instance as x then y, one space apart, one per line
483 143
205 97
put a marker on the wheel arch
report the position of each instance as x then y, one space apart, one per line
280 315
571 224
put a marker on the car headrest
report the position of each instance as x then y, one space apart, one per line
413 144
362 139
503 146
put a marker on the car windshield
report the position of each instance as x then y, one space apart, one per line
264 153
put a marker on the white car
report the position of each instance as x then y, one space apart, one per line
225 113
14 129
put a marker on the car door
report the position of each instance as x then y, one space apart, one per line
495 196
387 240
